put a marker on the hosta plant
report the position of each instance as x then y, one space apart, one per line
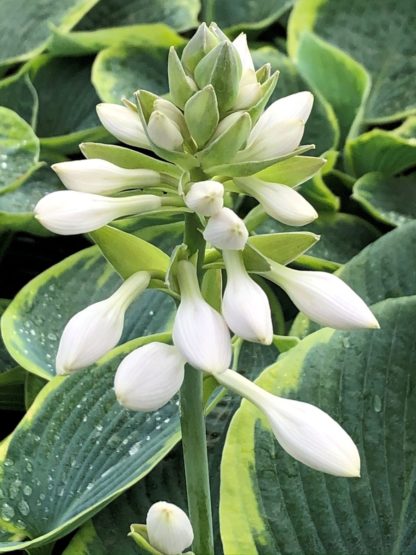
212 142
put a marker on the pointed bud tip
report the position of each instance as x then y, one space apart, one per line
374 324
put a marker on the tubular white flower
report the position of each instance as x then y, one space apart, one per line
279 129
323 297
250 90
245 305
273 143
205 197
102 177
199 332
73 212
225 230
149 377
304 431
168 528
280 202
94 331
164 132
292 107
123 123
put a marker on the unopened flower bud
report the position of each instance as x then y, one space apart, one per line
170 110
202 103
199 332
164 132
279 129
217 32
205 197
149 377
323 297
221 68
225 230
280 202
181 86
247 96
202 42
245 305
97 329
168 528
306 432
123 123
102 177
74 212
249 91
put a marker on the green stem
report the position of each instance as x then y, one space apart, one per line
194 447
194 442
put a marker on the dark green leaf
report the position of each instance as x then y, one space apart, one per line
119 71
246 14
33 322
377 34
365 380
383 270
342 236
19 149
179 14
75 451
87 42
31 21
391 200
16 206
67 113
380 150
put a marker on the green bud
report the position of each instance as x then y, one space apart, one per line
199 45
222 69
147 100
181 86
201 115
223 148
263 73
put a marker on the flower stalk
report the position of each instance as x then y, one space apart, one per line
194 442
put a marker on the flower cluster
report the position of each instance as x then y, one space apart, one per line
217 139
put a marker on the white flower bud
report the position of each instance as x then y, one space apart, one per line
199 332
250 90
225 230
149 377
73 212
102 177
279 129
323 297
240 43
247 96
164 132
205 197
282 140
168 528
170 111
245 305
279 201
292 107
306 432
123 123
94 331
